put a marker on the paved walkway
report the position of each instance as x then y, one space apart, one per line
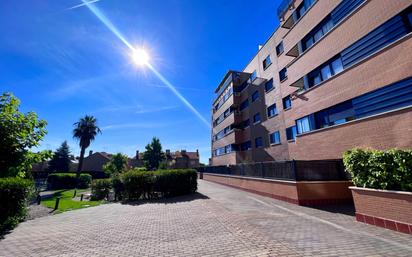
219 221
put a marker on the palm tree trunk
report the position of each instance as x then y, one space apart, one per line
79 168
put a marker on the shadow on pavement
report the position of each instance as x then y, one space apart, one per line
169 200
346 208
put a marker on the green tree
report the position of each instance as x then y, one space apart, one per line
153 154
61 158
19 132
85 132
116 165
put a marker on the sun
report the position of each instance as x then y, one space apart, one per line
140 57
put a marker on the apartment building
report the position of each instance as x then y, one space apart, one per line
334 75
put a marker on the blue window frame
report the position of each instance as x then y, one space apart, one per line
253 76
255 96
283 74
256 118
305 124
245 146
244 105
325 71
258 142
279 48
291 133
267 62
287 102
272 110
274 138
269 85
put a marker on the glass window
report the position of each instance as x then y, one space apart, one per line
266 62
256 118
269 85
304 124
291 133
258 142
287 103
275 137
255 96
245 146
309 42
272 111
283 74
244 105
279 48
337 66
327 26
318 35
326 72
253 76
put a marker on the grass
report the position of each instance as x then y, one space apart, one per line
67 203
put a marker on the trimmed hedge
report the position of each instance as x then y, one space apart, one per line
14 194
101 188
167 183
391 170
67 180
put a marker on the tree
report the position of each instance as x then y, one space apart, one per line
116 165
19 132
85 132
153 154
61 158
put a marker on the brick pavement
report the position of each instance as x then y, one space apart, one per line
220 221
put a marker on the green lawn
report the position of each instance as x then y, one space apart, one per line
66 202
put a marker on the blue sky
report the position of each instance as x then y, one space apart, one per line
64 63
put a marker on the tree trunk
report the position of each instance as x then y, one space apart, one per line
79 168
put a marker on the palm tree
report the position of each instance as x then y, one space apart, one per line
85 131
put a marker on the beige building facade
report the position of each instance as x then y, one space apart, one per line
334 75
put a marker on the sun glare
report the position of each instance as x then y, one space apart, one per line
140 57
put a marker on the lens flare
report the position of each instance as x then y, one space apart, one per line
142 58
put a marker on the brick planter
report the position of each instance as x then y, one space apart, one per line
384 208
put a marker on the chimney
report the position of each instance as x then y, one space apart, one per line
90 152
167 151
197 152
183 152
137 154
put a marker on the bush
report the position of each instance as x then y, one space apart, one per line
14 193
67 181
391 170
164 182
118 187
101 188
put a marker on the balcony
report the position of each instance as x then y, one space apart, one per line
283 7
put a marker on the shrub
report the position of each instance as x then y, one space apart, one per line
118 187
164 182
67 180
101 188
14 193
391 170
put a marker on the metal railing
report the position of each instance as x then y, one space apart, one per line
317 170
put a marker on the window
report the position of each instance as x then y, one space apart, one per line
258 142
334 115
244 105
279 48
255 96
274 138
267 62
325 71
245 146
283 74
224 98
244 124
269 85
256 118
253 76
287 102
272 111
291 133
305 124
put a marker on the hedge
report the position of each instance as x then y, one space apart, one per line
67 180
14 194
390 170
167 183
101 188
